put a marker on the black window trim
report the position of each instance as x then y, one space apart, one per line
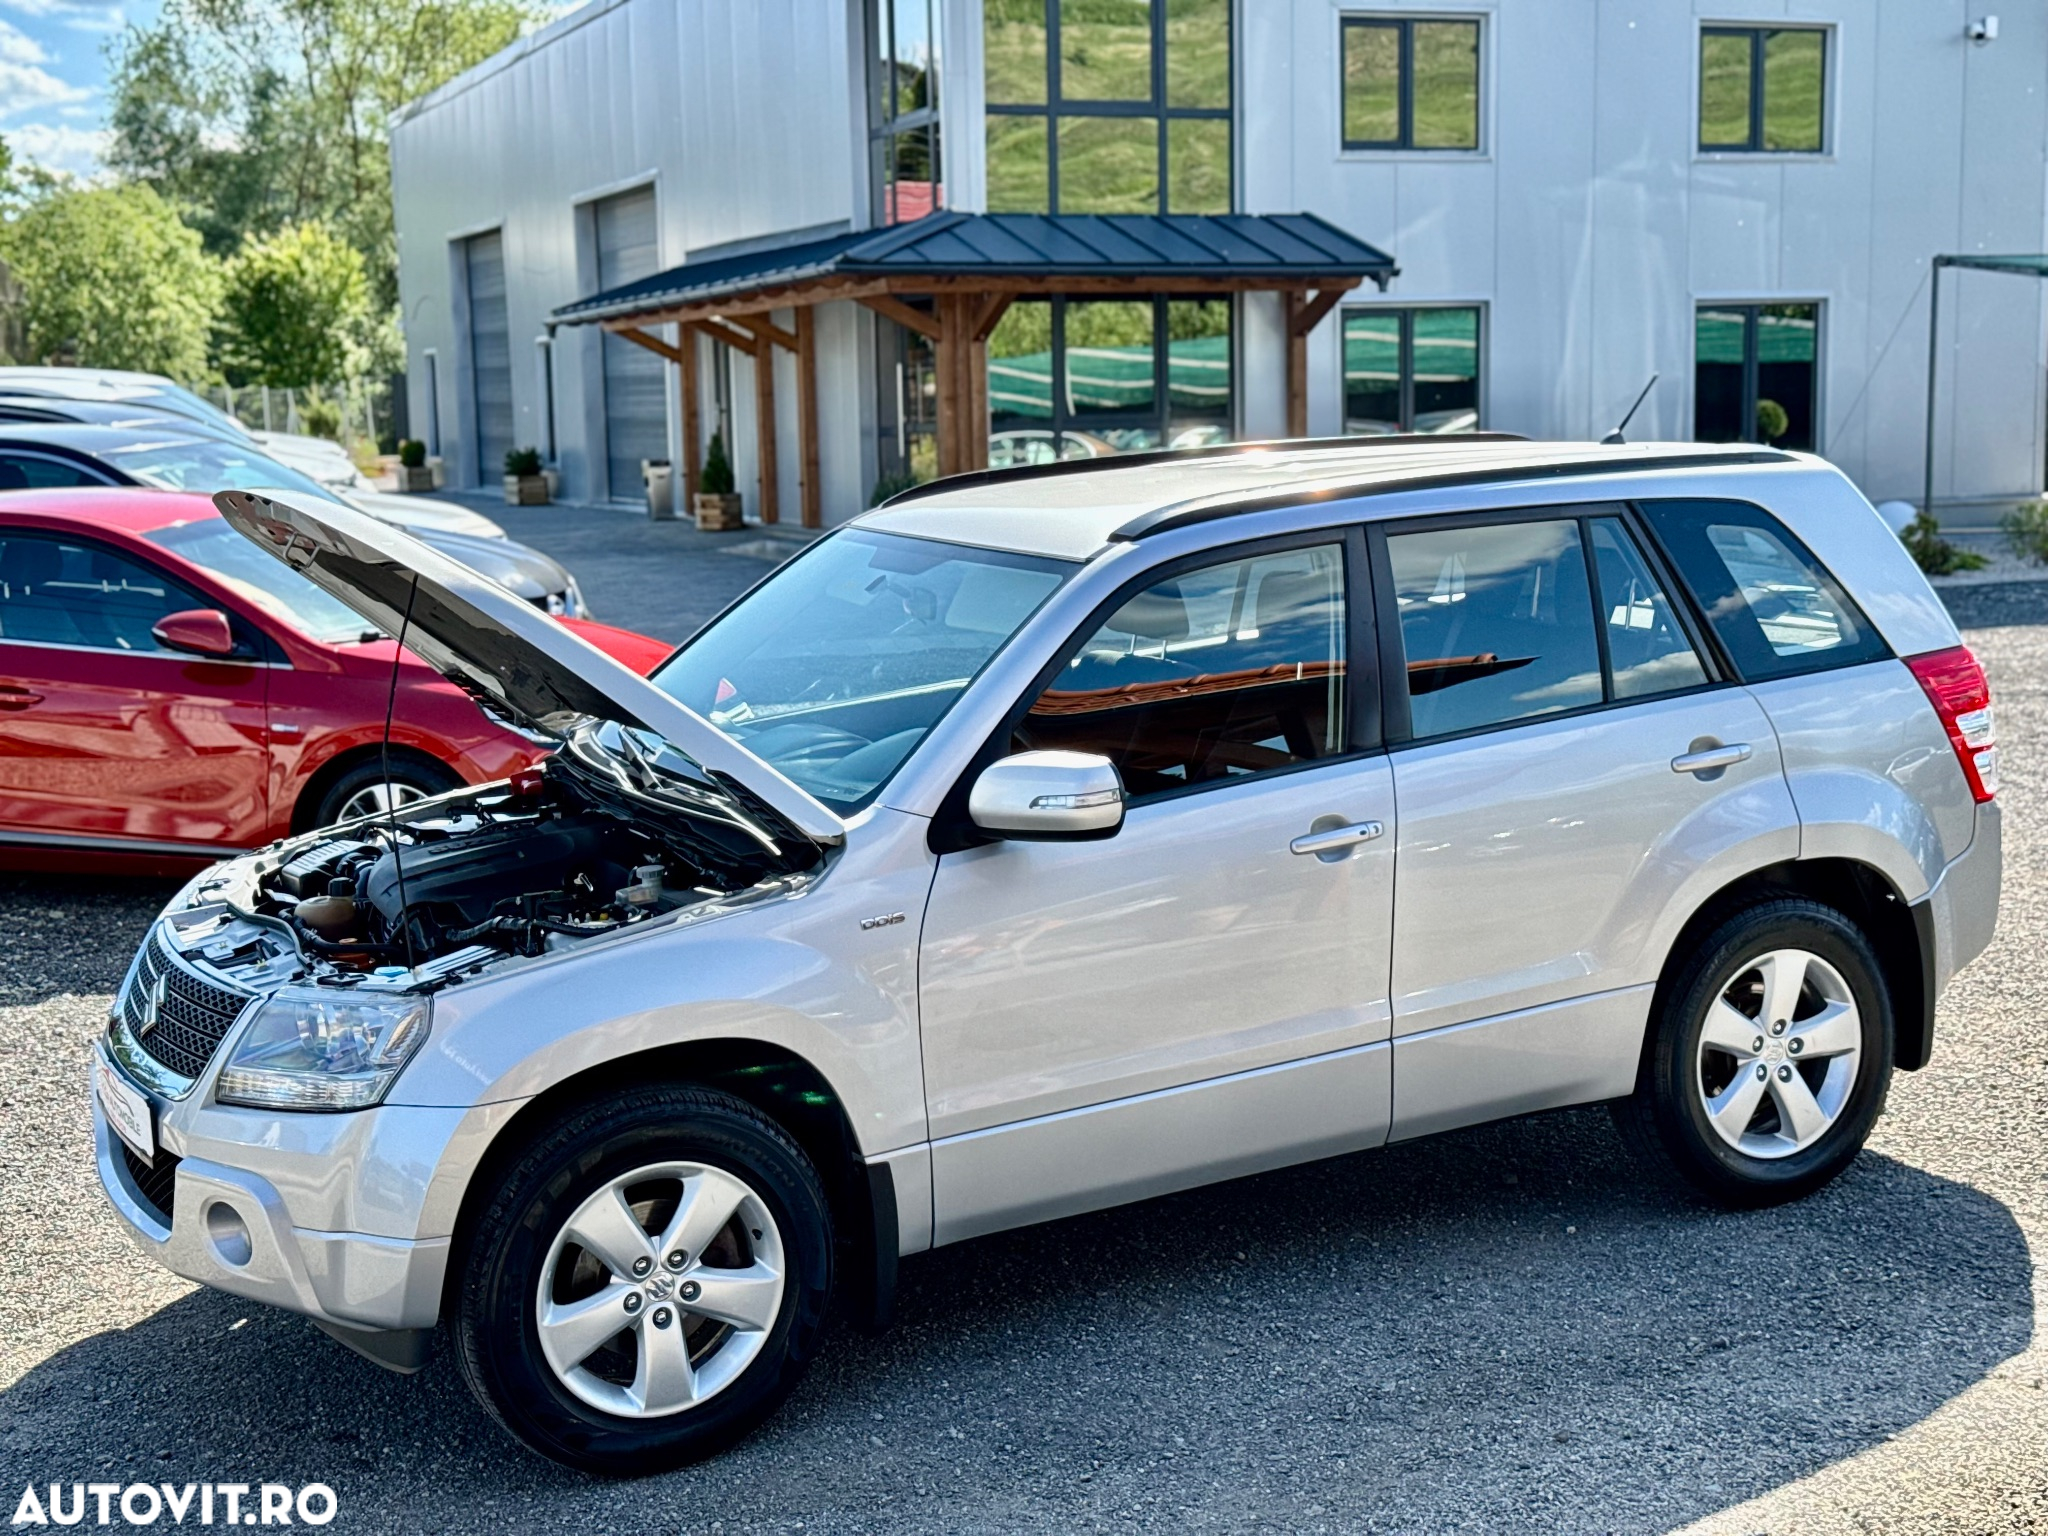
1393 654
953 832
1756 33
1057 104
1404 140
1405 355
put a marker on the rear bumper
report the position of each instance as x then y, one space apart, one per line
229 1228
1955 921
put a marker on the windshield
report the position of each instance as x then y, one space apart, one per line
265 581
834 668
184 463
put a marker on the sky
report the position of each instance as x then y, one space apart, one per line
53 77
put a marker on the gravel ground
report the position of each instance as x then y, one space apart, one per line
1497 1330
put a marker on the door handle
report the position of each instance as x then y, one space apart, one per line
1711 759
1336 839
12 697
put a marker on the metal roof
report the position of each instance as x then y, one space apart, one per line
1287 248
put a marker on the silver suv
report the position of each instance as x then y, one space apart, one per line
1050 839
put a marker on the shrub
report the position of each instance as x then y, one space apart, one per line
716 477
412 453
893 485
523 462
1934 554
2026 531
321 418
1771 421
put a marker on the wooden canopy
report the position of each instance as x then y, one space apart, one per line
964 271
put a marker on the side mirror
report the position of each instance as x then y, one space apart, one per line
1048 795
201 631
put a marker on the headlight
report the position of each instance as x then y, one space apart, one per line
323 1048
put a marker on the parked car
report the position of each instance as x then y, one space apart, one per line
1051 839
36 457
167 692
161 404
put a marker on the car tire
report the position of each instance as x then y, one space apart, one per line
548 1256
1768 1059
359 791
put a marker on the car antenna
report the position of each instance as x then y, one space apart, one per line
390 792
1615 436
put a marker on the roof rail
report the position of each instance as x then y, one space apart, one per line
1182 455
1202 510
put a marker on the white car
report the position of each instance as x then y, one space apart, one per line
1050 839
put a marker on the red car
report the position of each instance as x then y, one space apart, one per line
169 692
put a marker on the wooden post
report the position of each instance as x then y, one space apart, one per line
945 357
1297 367
764 426
987 315
693 451
807 415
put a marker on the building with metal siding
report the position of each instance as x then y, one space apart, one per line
1582 205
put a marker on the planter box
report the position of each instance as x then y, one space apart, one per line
420 479
526 490
718 514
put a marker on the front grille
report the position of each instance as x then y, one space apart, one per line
158 1181
191 1014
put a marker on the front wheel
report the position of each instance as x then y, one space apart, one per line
1769 1058
648 1283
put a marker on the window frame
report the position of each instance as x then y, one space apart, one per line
885 123
1406 356
1058 105
1752 311
1398 724
1756 32
953 830
253 645
97 473
1403 143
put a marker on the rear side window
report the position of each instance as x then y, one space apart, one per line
1773 605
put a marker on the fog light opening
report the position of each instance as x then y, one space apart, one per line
229 1235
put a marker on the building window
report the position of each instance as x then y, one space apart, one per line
1763 90
1085 378
907 416
1108 106
1411 370
1411 83
1756 374
903 108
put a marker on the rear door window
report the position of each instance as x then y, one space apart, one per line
1770 602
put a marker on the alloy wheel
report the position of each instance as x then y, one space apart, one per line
660 1289
379 797
1778 1053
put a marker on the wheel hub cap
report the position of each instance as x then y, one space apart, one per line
642 1337
1778 1053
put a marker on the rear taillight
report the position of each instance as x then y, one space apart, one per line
1955 683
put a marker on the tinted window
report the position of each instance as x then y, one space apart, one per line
1214 674
65 593
1774 606
1496 623
1647 650
200 464
28 472
839 663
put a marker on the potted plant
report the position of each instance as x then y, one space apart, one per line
718 504
413 473
525 483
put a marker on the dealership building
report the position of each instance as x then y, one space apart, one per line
862 240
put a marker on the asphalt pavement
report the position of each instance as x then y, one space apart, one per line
1503 1329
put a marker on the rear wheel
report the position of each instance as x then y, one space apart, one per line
648 1284
366 791
1769 1058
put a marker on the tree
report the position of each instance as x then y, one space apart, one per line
257 114
112 278
292 304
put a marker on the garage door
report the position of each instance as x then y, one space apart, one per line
490 353
635 399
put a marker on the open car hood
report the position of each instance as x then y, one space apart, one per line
508 655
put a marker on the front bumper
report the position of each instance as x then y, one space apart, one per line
230 1229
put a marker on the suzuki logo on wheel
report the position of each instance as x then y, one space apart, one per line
660 1286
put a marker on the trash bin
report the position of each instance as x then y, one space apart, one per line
660 479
